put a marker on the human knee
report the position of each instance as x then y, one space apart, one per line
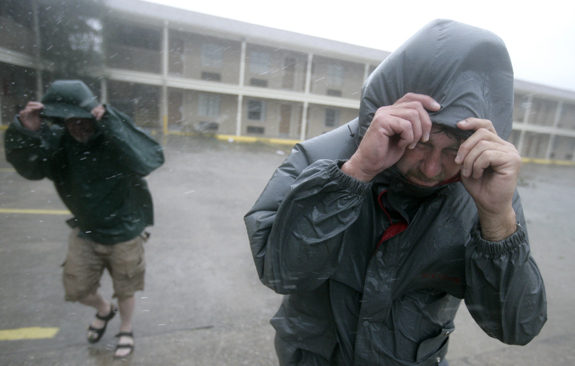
126 286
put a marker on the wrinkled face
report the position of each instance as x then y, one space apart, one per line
81 129
432 162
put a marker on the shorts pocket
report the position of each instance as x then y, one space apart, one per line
138 269
128 258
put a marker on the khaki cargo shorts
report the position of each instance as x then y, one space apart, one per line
86 260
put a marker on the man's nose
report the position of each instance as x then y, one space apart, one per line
431 165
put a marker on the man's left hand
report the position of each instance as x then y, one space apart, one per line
489 171
98 112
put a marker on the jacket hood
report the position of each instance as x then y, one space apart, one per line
68 99
467 70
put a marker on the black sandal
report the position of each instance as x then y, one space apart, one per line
129 345
100 331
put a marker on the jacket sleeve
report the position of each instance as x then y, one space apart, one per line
32 153
505 292
296 225
140 151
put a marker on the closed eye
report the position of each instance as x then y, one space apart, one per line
423 145
452 151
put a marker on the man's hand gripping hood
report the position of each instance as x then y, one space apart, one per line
467 70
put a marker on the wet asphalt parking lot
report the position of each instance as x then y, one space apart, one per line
203 303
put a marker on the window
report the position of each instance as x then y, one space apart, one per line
333 92
177 45
212 76
259 82
331 118
288 73
256 110
134 36
208 105
256 129
207 126
259 62
212 55
335 75
567 118
176 56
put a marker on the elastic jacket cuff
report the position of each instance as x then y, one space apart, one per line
348 182
499 248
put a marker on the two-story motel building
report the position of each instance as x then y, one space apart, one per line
179 71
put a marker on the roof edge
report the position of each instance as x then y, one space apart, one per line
244 30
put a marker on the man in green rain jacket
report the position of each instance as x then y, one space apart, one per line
376 231
97 159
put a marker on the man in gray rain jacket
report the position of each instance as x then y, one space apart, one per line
376 231
97 159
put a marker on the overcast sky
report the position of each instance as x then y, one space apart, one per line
540 35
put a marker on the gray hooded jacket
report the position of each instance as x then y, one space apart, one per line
357 293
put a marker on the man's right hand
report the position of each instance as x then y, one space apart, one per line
30 116
393 129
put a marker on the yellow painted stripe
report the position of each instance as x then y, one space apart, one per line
7 170
28 333
257 139
547 161
34 212
181 133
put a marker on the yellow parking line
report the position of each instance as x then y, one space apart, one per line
27 333
7 170
257 139
35 212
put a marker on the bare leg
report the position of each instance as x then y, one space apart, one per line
126 307
103 307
